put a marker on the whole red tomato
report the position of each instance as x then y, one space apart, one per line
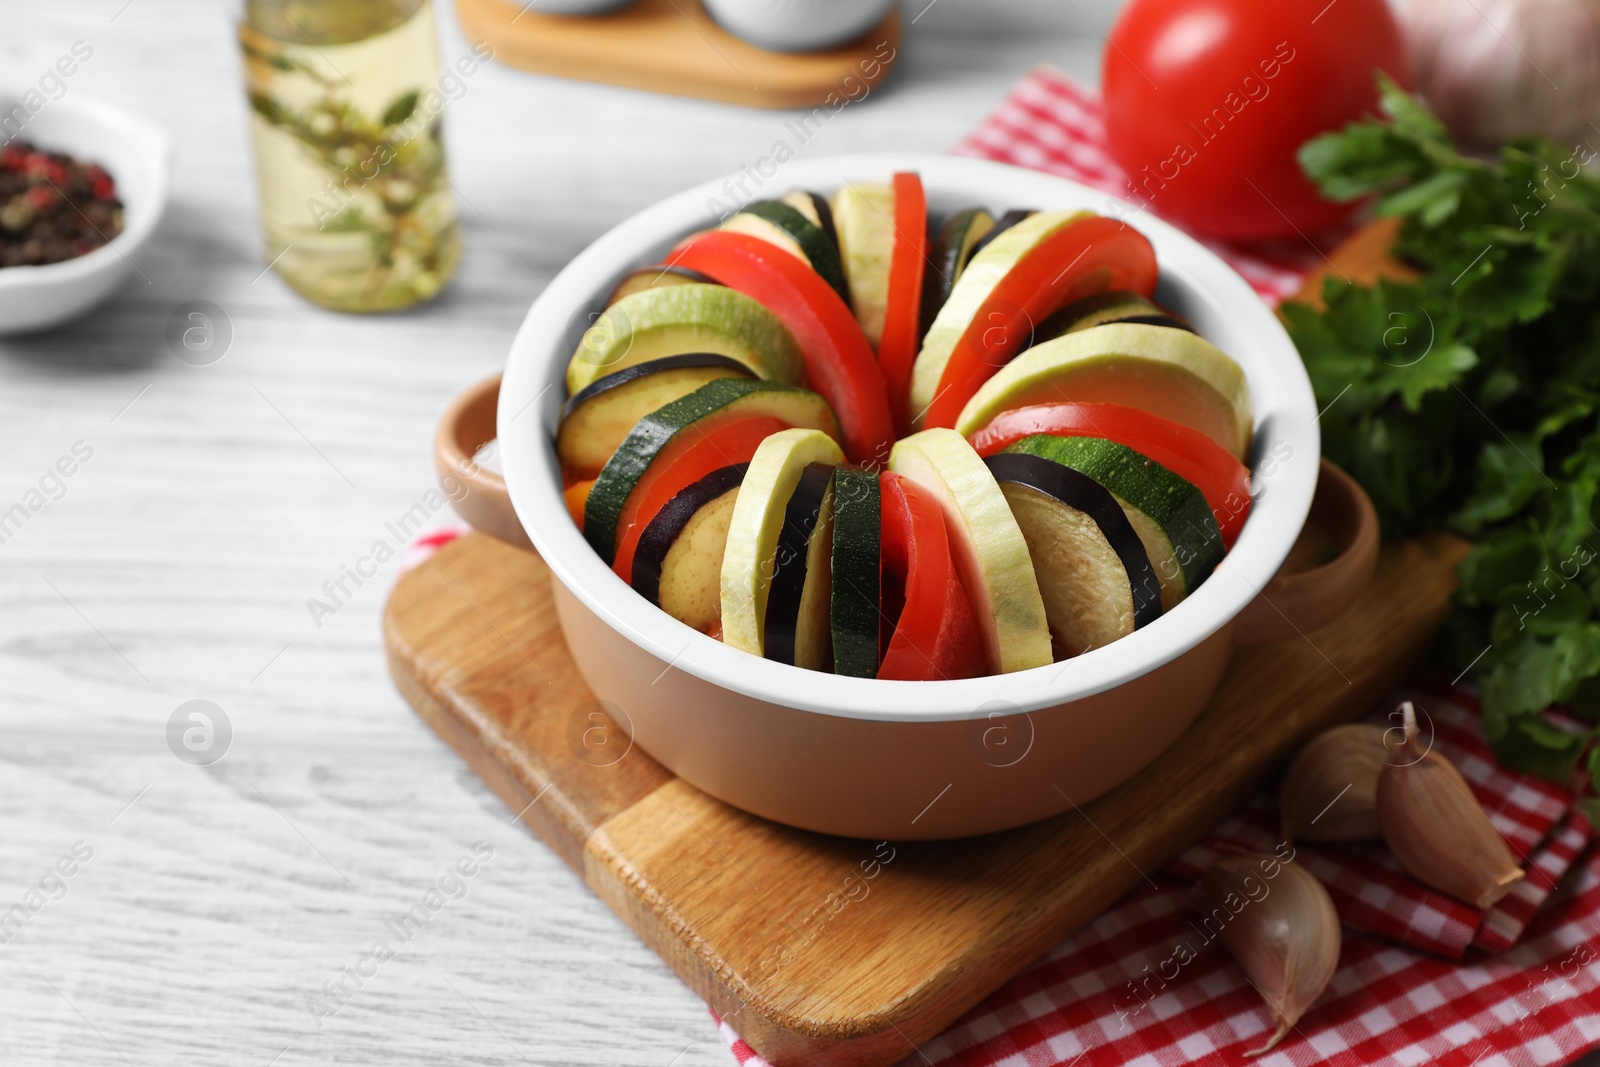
1207 102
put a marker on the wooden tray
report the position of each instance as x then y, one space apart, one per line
757 918
673 46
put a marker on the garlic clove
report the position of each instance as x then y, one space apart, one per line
1498 69
1279 925
1435 826
1330 791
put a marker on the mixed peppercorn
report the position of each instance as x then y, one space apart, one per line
53 207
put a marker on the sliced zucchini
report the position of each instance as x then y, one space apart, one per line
597 419
857 572
864 215
1117 305
988 546
1172 373
758 519
659 276
693 317
797 604
1170 515
668 431
1095 578
952 249
678 564
789 228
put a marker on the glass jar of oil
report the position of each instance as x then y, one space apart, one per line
356 203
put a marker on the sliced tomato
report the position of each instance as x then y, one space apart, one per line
1190 454
694 453
902 335
1080 259
839 361
935 631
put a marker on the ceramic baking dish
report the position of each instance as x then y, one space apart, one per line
901 760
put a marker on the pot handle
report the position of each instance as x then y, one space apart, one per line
467 425
1300 599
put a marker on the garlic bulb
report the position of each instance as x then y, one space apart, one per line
1435 827
1330 791
1279 925
1497 69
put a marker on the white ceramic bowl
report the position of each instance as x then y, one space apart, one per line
850 755
798 25
134 151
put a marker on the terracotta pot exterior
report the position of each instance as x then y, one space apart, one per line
881 779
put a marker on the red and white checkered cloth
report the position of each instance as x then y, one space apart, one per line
1105 994
1422 978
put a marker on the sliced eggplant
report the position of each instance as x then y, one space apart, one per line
1096 580
797 627
957 240
1170 514
1097 310
598 418
678 564
656 277
857 572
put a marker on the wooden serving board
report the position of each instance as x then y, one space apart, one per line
757 917
673 46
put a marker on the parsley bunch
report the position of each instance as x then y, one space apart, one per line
1470 400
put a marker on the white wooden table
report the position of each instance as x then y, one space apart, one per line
220 900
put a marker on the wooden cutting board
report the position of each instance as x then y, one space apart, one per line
757 918
673 46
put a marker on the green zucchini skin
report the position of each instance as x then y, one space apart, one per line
822 251
857 561
1077 490
603 510
1173 504
800 521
